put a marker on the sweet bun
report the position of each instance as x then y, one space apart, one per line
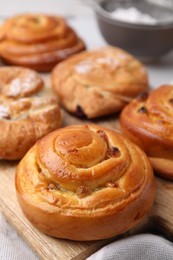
85 182
98 82
27 111
37 41
148 121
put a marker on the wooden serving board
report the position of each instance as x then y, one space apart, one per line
160 219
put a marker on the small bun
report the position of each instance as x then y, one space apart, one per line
99 82
27 111
85 182
148 121
37 41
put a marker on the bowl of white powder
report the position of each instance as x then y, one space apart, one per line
142 27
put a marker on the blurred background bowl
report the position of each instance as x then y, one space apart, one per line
146 41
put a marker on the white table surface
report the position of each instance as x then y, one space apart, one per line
82 19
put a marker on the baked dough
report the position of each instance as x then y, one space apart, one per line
27 111
148 121
98 82
85 182
37 41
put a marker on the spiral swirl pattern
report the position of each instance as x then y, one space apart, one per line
27 111
148 121
37 41
85 183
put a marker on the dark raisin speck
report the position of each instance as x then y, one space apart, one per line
113 152
79 112
143 96
171 100
142 110
7 117
51 186
82 191
103 135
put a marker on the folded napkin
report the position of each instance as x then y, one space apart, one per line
138 247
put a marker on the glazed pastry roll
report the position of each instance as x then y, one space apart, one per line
148 121
85 182
27 111
98 82
37 41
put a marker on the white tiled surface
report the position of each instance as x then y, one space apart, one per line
82 19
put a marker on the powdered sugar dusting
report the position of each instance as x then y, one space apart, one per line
22 85
133 15
14 88
108 61
4 111
88 65
84 67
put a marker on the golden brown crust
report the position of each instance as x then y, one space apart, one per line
148 121
98 82
27 112
37 41
85 183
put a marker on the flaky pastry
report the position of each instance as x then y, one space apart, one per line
148 121
27 111
98 82
85 182
37 41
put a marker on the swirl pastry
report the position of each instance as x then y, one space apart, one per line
37 41
148 121
85 182
27 112
99 82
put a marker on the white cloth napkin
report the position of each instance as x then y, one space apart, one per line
138 247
